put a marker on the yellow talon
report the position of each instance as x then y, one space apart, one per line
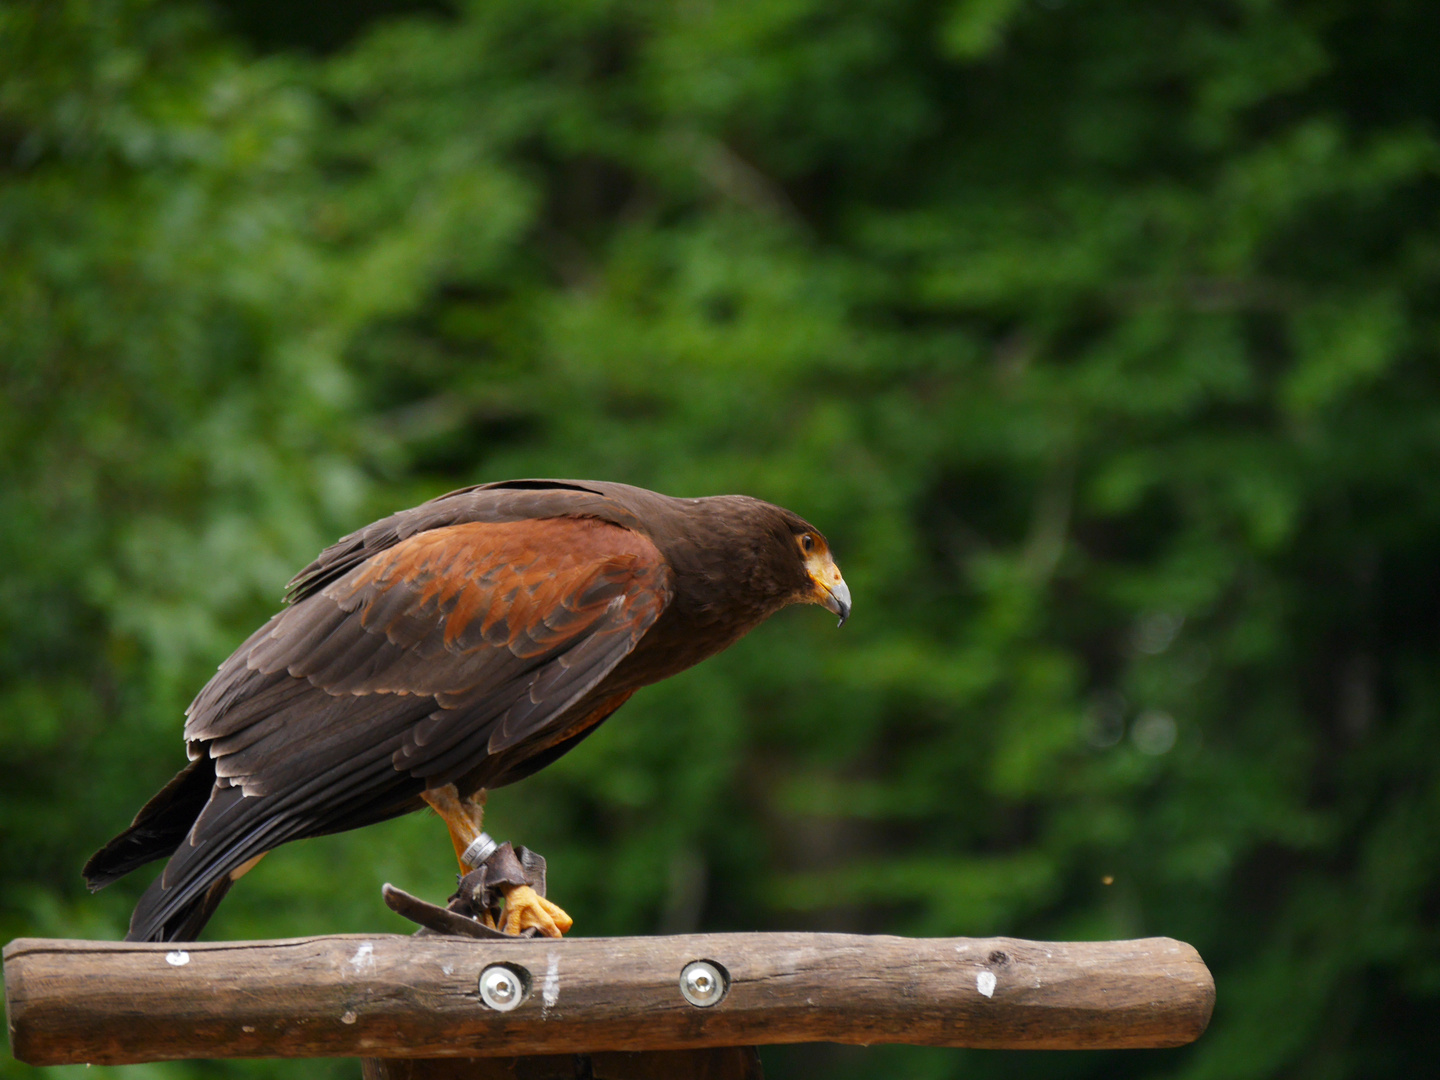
524 908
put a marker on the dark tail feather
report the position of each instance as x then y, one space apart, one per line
226 832
158 828
185 923
223 838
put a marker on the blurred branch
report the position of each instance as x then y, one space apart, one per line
735 179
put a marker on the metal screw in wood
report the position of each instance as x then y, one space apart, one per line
703 983
501 987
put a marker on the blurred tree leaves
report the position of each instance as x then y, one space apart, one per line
1100 339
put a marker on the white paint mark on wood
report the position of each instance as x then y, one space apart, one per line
550 991
985 983
363 962
178 958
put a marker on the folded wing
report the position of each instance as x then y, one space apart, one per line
450 648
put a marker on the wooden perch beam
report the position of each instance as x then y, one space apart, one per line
390 996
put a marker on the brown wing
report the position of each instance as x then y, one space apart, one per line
410 669
496 627
503 501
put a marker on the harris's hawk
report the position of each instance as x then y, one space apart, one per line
446 650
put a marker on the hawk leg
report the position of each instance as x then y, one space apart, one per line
463 817
524 907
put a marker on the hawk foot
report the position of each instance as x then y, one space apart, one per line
526 909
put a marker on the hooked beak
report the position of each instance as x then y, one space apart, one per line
828 588
837 599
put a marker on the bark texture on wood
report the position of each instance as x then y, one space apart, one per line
392 996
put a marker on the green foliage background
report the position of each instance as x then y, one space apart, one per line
1100 337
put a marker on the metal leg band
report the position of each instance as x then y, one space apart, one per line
479 850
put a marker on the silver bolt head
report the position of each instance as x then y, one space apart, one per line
501 988
702 983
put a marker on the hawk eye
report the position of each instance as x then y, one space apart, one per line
807 542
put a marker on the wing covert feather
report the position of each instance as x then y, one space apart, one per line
456 642
505 501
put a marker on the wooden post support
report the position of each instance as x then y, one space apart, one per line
716 1063
417 997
